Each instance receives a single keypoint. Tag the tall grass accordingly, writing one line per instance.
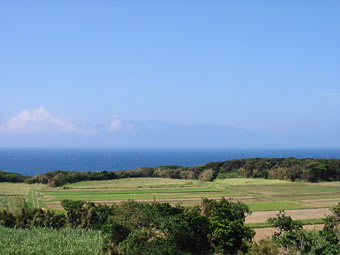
(7, 188)
(44, 241)
(12, 203)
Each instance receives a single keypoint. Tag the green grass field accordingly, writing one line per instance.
(143, 194)
(275, 205)
(43, 241)
(132, 183)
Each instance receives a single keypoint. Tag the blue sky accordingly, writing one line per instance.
(134, 73)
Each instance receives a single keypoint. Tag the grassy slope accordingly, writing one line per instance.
(49, 241)
(131, 183)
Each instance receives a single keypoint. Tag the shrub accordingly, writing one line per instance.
(265, 247)
(229, 233)
(284, 223)
(292, 239)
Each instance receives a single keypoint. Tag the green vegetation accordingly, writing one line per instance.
(100, 195)
(250, 182)
(133, 228)
(131, 183)
(259, 194)
(292, 239)
(142, 228)
(12, 203)
(311, 170)
(12, 177)
(18, 189)
(47, 241)
(202, 226)
(276, 205)
(14, 196)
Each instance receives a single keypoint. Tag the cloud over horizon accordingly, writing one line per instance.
(38, 121)
(116, 124)
(38, 127)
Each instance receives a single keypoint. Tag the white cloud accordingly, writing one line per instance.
(116, 124)
(38, 121)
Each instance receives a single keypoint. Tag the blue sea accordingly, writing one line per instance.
(37, 161)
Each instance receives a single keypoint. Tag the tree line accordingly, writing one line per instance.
(12, 177)
(311, 170)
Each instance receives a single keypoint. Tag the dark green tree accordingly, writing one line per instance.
(229, 233)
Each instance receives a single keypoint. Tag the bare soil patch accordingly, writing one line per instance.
(322, 202)
(265, 233)
(300, 214)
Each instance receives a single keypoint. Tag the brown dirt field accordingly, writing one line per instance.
(300, 214)
(321, 203)
(264, 233)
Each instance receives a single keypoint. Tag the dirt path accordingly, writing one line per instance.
(264, 233)
(170, 199)
(295, 214)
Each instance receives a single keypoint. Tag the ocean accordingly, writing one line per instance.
(36, 161)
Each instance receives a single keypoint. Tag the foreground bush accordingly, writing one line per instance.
(141, 228)
(265, 247)
(292, 239)
(36, 217)
(134, 228)
(229, 233)
(215, 228)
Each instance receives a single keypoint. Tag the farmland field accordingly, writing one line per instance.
(259, 194)
(305, 201)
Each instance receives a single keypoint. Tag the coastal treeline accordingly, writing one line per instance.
(12, 177)
(310, 170)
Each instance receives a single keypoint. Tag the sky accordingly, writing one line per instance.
(170, 74)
